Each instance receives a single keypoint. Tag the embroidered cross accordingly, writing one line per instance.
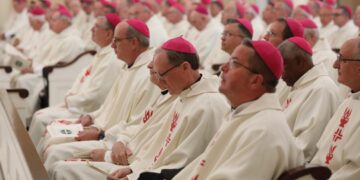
(147, 116)
(329, 156)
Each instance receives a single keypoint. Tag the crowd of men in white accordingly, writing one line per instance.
(200, 89)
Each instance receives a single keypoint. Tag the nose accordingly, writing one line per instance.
(336, 64)
(224, 67)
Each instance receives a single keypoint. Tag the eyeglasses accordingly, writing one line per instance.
(341, 59)
(116, 40)
(228, 34)
(233, 63)
(270, 33)
(161, 75)
(337, 14)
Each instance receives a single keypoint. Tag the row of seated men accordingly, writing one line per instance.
(163, 120)
(42, 44)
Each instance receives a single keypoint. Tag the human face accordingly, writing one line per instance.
(326, 16)
(19, 6)
(231, 37)
(121, 43)
(172, 15)
(274, 33)
(153, 76)
(172, 76)
(137, 11)
(339, 18)
(56, 24)
(99, 31)
(268, 14)
(357, 17)
(236, 74)
(279, 9)
(348, 67)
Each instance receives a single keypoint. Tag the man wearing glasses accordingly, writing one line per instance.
(313, 98)
(193, 120)
(338, 147)
(255, 131)
(347, 28)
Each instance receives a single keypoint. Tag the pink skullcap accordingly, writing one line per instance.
(37, 11)
(255, 7)
(179, 7)
(348, 10)
(330, 2)
(113, 19)
(200, 8)
(171, 2)
(240, 8)
(246, 23)
(64, 11)
(148, 5)
(319, 3)
(305, 8)
(270, 55)
(301, 43)
(139, 26)
(108, 3)
(296, 28)
(289, 3)
(219, 2)
(205, 2)
(308, 23)
(179, 44)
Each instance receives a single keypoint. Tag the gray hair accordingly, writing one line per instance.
(291, 51)
(133, 33)
(311, 32)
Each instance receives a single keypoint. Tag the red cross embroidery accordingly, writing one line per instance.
(158, 155)
(202, 162)
(147, 116)
(345, 118)
(174, 121)
(195, 177)
(87, 73)
(329, 156)
(337, 134)
(287, 103)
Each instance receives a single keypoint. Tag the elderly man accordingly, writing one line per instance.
(347, 29)
(216, 7)
(17, 22)
(234, 32)
(327, 27)
(241, 146)
(209, 32)
(322, 52)
(92, 84)
(129, 96)
(176, 64)
(311, 90)
(143, 11)
(338, 147)
(64, 46)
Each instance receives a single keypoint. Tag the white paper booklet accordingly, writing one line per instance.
(18, 60)
(61, 133)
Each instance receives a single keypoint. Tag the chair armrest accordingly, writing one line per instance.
(316, 171)
(48, 69)
(23, 93)
(8, 69)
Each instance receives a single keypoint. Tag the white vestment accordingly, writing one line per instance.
(194, 119)
(86, 95)
(178, 29)
(158, 34)
(208, 39)
(328, 30)
(63, 47)
(259, 27)
(322, 53)
(309, 106)
(16, 23)
(338, 147)
(254, 142)
(339, 37)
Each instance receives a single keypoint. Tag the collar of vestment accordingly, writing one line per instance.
(321, 45)
(207, 84)
(143, 58)
(265, 102)
(347, 26)
(311, 75)
(356, 95)
(105, 50)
